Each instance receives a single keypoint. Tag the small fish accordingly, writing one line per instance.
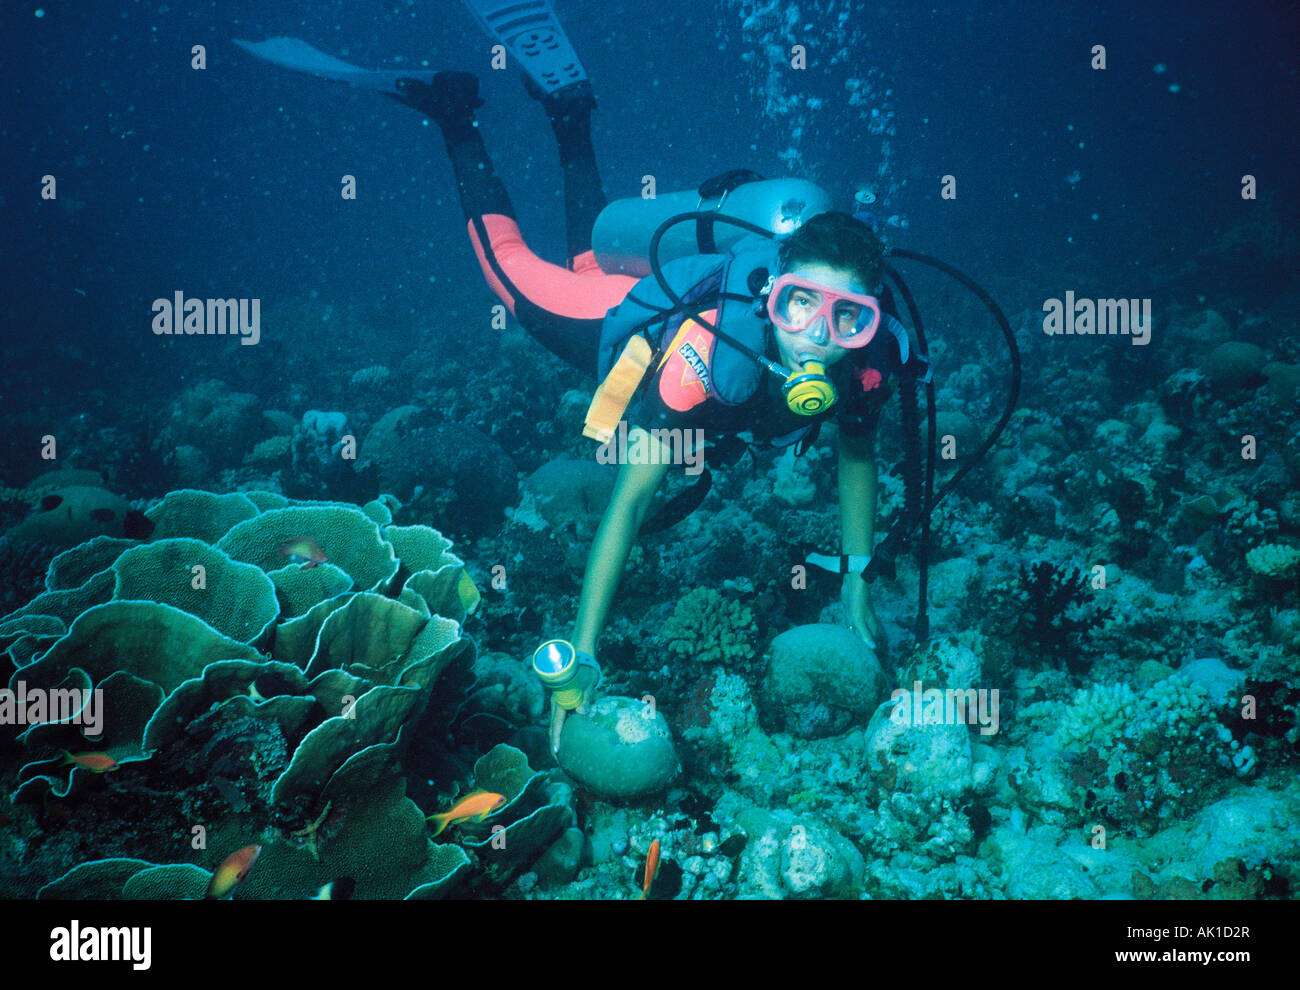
(304, 551)
(336, 890)
(651, 869)
(95, 762)
(468, 592)
(864, 193)
(473, 807)
(232, 870)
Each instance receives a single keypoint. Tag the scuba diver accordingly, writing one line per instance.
(821, 286)
(742, 332)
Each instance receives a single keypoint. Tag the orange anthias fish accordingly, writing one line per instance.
(232, 870)
(95, 762)
(305, 551)
(651, 869)
(473, 807)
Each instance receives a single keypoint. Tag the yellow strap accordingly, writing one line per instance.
(616, 391)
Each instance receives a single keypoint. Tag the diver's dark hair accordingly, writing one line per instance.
(838, 240)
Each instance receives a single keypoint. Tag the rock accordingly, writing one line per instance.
(1284, 381)
(620, 749)
(68, 516)
(569, 495)
(464, 476)
(821, 680)
(1204, 331)
(189, 465)
(504, 688)
(796, 856)
(560, 863)
(1037, 869)
(922, 758)
(819, 862)
(1235, 364)
(328, 426)
(966, 433)
(223, 424)
(1211, 673)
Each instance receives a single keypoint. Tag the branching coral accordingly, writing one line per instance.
(710, 629)
(1138, 761)
(1274, 560)
(1048, 612)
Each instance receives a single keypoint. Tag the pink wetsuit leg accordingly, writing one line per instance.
(586, 293)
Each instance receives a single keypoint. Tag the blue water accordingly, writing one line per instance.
(225, 182)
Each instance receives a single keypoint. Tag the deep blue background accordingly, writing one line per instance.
(226, 181)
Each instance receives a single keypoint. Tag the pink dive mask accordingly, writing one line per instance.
(796, 303)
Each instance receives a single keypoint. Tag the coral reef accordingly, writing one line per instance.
(1136, 761)
(221, 424)
(451, 472)
(301, 752)
(1047, 613)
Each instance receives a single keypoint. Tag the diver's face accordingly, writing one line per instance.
(814, 343)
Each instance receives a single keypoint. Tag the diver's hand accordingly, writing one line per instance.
(862, 617)
(557, 725)
(586, 677)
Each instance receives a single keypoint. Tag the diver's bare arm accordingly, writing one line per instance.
(627, 509)
(857, 490)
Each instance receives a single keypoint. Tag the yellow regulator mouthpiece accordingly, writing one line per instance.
(808, 391)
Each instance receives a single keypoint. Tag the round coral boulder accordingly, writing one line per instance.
(821, 680)
(620, 749)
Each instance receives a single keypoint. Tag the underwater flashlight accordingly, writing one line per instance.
(809, 391)
(556, 662)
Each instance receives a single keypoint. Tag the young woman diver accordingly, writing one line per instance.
(821, 287)
(770, 336)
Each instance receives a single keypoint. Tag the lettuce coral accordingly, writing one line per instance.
(298, 751)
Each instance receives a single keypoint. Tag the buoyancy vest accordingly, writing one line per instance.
(728, 283)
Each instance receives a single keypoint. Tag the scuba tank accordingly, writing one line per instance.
(623, 231)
